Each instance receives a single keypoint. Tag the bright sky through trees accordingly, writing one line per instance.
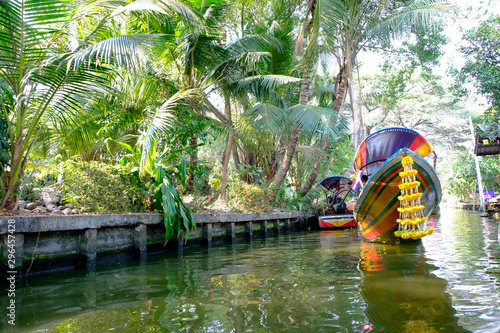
(469, 14)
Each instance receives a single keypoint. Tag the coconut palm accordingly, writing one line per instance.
(311, 25)
(48, 74)
(345, 27)
(266, 125)
(214, 65)
(267, 87)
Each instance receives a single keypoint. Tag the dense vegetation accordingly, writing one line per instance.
(175, 105)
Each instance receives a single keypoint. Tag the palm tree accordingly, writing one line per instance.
(34, 81)
(46, 74)
(325, 95)
(311, 28)
(229, 70)
(265, 125)
(347, 26)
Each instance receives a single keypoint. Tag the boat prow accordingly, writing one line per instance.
(337, 221)
(378, 209)
(337, 214)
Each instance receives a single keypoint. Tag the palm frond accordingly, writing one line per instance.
(420, 12)
(27, 25)
(316, 120)
(265, 118)
(185, 12)
(130, 51)
(200, 51)
(161, 120)
(262, 42)
(321, 90)
(266, 81)
(170, 8)
(69, 99)
(310, 151)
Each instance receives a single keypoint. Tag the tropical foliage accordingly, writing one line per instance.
(155, 101)
(483, 58)
(479, 73)
(100, 187)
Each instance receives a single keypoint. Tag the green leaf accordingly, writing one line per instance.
(176, 216)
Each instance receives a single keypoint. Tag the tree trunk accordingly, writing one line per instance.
(294, 136)
(225, 163)
(227, 151)
(339, 98)
(10, 197)
(357, 114)
(342, 85)
(358, 128)
(303, 98)
(272, 163)
(193, 158)
(311, 180)
(236, 156)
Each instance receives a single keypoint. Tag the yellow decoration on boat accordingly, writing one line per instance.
(410, 197)
(408, 173)
(411, 216)
(407, 160)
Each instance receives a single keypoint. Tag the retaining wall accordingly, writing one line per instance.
(477, 206)
(35, 244)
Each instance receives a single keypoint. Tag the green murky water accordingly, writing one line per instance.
(318, 281)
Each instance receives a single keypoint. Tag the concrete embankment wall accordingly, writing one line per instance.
(35, 244)
(475, 206)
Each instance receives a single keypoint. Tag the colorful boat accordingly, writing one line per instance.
(337, 189)
(402, 189)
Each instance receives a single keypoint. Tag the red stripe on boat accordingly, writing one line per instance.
(417, 143)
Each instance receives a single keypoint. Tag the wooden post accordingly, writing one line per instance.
(207, 231)
(478, 171)
(180, 242)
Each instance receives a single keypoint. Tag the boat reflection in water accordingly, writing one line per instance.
(401, 292)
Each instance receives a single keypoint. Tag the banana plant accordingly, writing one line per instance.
(165, 168)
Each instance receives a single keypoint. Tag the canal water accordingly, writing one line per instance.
(311, 281)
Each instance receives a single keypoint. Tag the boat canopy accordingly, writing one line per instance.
(381, 145)
(339, 185)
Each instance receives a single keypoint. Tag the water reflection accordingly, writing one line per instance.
(328, 281)
(467, 252)
(402, 293)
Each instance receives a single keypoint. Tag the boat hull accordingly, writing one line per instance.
(376, 209)
(337, 221)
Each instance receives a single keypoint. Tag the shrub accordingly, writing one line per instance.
(250, 198)
(100, 187)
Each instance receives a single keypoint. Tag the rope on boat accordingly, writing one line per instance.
(411, 212)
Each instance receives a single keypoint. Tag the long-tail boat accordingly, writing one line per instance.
(402, 189)
(336, 188)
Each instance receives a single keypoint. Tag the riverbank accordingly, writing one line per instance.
(44, 243)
